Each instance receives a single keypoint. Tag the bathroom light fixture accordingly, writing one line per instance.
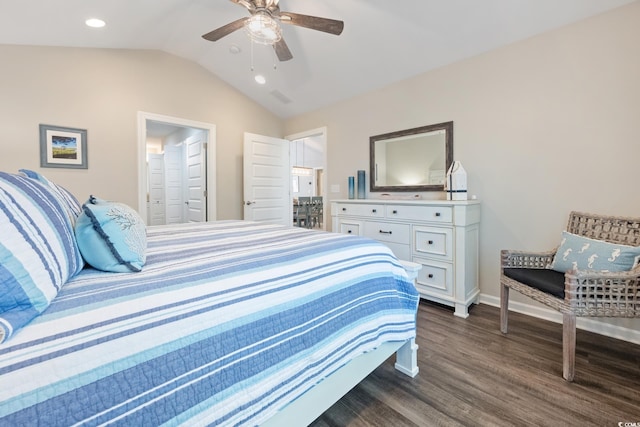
(260, 79)
(95, 23)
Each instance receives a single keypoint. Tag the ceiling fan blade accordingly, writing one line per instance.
(326, 25)
(248, 4)
(282, 50)
(225, 30)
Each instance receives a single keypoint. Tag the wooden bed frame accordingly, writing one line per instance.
(304, 410)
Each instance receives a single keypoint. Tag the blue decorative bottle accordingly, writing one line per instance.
(361, 185)
(352, 187)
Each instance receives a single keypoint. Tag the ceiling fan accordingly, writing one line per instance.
(263, 26)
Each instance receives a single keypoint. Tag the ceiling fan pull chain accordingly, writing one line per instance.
(251, 55)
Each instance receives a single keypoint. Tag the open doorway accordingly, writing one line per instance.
(308, 160)
(176, 174)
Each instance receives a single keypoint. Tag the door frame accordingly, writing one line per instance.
(210, 128)
(322, 133)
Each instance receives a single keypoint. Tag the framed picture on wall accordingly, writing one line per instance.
(62, 147)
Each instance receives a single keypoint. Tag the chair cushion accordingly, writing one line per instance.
(581, 253)
(545, 280)
(111, 236)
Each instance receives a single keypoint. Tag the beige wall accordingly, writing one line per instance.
(543, 126)
(102, 90)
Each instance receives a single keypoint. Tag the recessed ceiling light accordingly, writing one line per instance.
(95, 23)
(260, 79)
(234, 49)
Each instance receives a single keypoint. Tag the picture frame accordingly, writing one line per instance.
(63, 147)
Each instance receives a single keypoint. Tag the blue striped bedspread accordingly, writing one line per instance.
(227, 323)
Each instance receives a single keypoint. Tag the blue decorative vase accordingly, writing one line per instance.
(361, 184)
(352, 187)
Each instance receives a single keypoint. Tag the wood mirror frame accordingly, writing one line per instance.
(428, 136)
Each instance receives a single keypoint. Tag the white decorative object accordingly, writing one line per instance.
(440, 235)
(456, 182)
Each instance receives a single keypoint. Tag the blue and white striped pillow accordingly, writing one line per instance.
(38, 250)
(68, 200)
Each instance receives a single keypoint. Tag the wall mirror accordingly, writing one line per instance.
(411, 160)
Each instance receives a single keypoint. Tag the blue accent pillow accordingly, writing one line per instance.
(68, 200)
(111, 236)
(38, 250)
(581, 253)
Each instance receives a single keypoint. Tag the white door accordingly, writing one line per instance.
(156, 214)
(196, 183)
(267, 180)
(173, 184)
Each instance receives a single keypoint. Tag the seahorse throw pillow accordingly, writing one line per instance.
(111, 236)
(581, 253)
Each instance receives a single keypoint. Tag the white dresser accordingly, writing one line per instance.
(442, 236)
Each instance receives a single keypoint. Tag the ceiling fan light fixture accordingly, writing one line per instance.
(263, 29)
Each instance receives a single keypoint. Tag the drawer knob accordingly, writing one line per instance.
(344, 209)
(430, 276)
(430, 242)
(395, 212)
(437, 213)
(384, 232)
(373, 210)
(348, 231)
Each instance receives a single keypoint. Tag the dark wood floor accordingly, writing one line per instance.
(472, 375)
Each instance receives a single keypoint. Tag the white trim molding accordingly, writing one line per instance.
(585, 323)
(142, 153)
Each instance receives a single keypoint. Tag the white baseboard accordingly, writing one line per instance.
(588, 324)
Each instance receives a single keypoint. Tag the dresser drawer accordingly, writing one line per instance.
(365, 210)
(388, 232)
(434, 242)
(435, 277)
(443, 214)
(350, 227)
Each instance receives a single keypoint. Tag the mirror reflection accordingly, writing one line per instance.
(411, 160)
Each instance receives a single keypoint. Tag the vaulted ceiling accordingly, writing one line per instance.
(383, 41)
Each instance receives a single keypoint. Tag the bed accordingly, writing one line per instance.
(227, 323)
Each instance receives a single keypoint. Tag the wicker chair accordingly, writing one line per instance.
(586, 293)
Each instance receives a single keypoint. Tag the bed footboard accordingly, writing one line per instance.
(314, 402)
